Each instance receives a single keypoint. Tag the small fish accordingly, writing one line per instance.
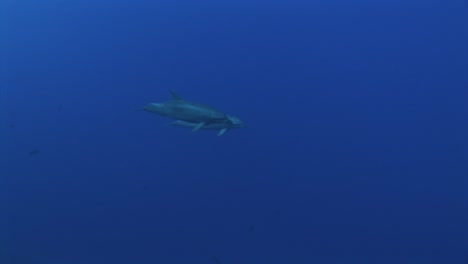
(34, 152)
(216, 260)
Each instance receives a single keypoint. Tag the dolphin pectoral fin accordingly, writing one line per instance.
(198, 126)
(222, 131)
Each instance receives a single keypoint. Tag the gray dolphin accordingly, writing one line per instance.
(235, 122)
(178, 108)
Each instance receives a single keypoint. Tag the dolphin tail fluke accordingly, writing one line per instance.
(198, 126)
(222, 132)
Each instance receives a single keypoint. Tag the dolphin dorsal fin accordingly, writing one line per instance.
(175, 96)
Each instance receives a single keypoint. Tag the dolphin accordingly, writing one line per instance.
(235, 122)
(178, 108)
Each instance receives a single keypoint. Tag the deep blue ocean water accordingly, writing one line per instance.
(356, 150)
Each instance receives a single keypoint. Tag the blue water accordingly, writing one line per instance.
(356, 150)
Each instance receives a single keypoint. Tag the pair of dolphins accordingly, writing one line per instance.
(194, 115)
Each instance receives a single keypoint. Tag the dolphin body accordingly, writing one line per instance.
(196, 114)
(222, 127)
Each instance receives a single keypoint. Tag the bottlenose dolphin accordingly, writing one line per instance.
(178, 108)
(235, 122)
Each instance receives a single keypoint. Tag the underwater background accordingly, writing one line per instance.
(356, 149)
